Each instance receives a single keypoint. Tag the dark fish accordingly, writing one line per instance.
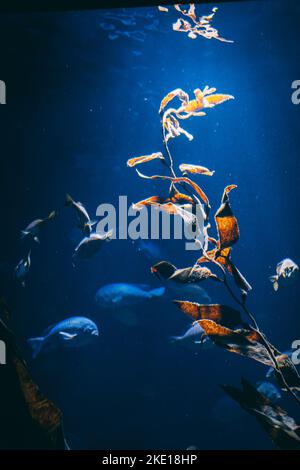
(32, 230)
(89, 246)
(22, 269)
(85, 223)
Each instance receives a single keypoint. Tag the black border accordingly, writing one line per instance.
(12, 6)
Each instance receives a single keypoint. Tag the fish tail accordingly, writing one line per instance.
(36, 345)
(157, 292)
(69, 200)
(274, 280)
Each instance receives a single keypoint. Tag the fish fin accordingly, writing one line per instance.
(109, 235)
(69, 200)
(51, 215)
(157, 292)
(36, 239)
(67, 336)
(36, 345)
(274, 280)
(24, 234)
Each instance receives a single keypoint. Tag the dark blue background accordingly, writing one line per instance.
(78, 106)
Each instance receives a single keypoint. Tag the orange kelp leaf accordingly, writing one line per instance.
(193, 275)
(178, 92)
(165, 9)
(150, 201)
(227, 224)
(180, 198)
(195, 169)
(145, 158)
(245, 342)
(163, 269)
(218, 98)
(182, 179)
(176, 198)
(281, 427)
(42, 410)
(220, 256)
(221, 314)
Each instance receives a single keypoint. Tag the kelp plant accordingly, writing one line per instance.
(235, 330)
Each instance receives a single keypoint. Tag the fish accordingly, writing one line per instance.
(125, 295)
(32, 230)
(22, 269)
(194, 331)
(89, 246)
(85, 223)
(286, 269)
(72, 332)
(269, 390)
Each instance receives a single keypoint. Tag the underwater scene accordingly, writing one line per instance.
(150, 184)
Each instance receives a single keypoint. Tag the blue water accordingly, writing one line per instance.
(80, 103)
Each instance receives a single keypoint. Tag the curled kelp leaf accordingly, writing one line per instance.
(193, 275)
(221, 257)
(206, 98)
(246, 342)
(182, 179)
(221, 314)
(37, 423)
(145, 158)
(177, 93)
(239, 279)
(227, 225)
(195, 169)
(173, 129)
(282, 428)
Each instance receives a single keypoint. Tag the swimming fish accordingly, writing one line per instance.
(193, 332)
(125, 295)
(85, 223)
(22, 268)
(32, 230)
(284, 270)
(269, 390)
(70, 333)
(89, 246)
